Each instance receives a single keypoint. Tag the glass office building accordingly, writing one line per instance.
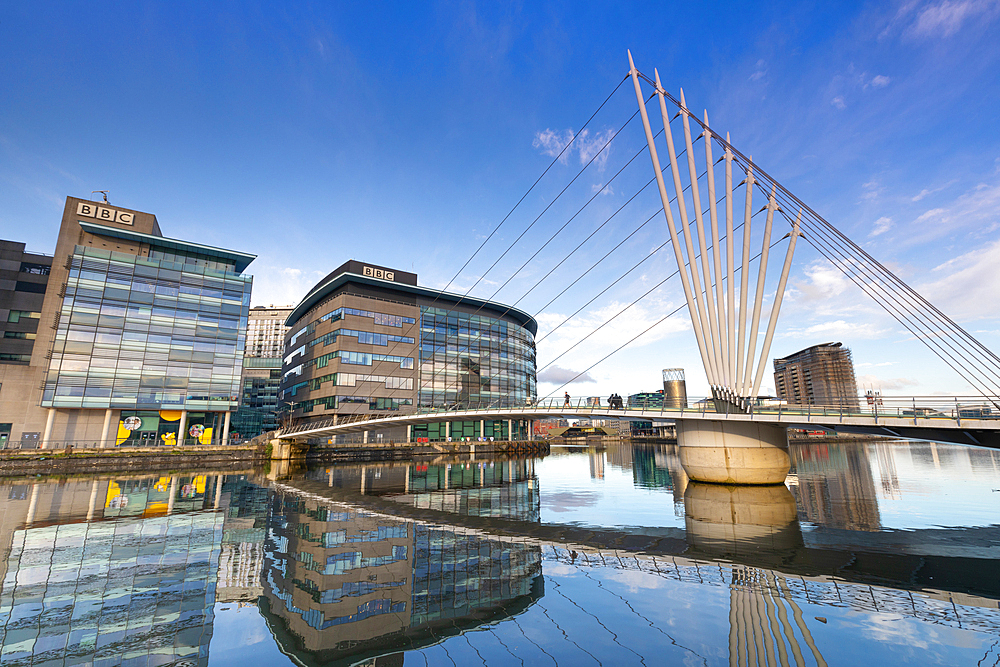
(139, 337)
(258, 411)
(370, 340)
(163, 331)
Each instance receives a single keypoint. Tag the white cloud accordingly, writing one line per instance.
(586, 145)
(599, 187)
(881, 226)
(977, 209)
(824, 283)
(968, 284)
(872, 190)
(839, 330)
(611, 336)
(282, 286)
(552, 143)
(838, 102)
(945, 18)
(556, 375)
(923, 193)
(885, 384)
(880, 81)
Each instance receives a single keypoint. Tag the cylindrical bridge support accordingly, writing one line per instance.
(733, 452)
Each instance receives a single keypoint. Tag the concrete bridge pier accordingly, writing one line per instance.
(733, 452)
(287, 450)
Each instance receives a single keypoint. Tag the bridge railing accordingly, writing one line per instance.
(913, 407)
(921, 409)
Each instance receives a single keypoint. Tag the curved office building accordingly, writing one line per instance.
(368, 339)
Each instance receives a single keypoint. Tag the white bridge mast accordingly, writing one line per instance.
(726, 353)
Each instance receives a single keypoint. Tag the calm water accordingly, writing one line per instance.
(871, 554)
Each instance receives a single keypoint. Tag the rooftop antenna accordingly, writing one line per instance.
(102, 192)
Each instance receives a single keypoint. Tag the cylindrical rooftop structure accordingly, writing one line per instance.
(674, 388)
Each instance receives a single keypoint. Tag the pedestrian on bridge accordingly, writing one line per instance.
(566, 400)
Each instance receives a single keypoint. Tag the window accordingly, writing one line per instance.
(19, 334)
(34, 288)
(18, 315)
(35, 269)
(14, 357)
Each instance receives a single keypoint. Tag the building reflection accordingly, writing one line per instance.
(653, 466)
(342, 582)
(835, 486)
(596, 458)
(110, 571)
(498, 489)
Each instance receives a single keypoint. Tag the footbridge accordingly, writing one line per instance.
(966, 420)
(723, 214)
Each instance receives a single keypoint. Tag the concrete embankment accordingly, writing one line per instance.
(127, 459)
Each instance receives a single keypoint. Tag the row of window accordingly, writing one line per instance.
(365, 337)
(16, 316)
(383, 319)
(34, 288)
(133, 332)
(351, 380)
(334, 402)
(35, 269)
(190, 259)
(357, 359)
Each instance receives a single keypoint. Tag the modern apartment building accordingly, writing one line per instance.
(368, 339)
(138, 338)
(266, 331)
(818, 375)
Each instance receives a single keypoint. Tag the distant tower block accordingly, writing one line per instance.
(674, 389)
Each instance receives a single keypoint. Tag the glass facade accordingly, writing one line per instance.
(137, 333)
(358, 346)
(258, 411)
(126, 592)
(342, 580)
(472, 360)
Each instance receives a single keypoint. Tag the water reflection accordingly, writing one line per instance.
(339, 581)
(747, 521)
(607, 555)
(835, 486)
(77, 588)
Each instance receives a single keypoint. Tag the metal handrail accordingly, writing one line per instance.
(915, 408)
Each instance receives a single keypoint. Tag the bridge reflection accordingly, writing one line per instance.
(746, 540)
(361, 563)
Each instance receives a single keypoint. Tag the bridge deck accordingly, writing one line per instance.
(895, 422)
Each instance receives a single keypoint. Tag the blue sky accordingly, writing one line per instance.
(402, 135)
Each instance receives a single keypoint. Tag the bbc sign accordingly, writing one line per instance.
(104, 213)
(379, 273)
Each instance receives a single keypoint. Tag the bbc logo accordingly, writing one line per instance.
(379, 273)
(104, 213)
